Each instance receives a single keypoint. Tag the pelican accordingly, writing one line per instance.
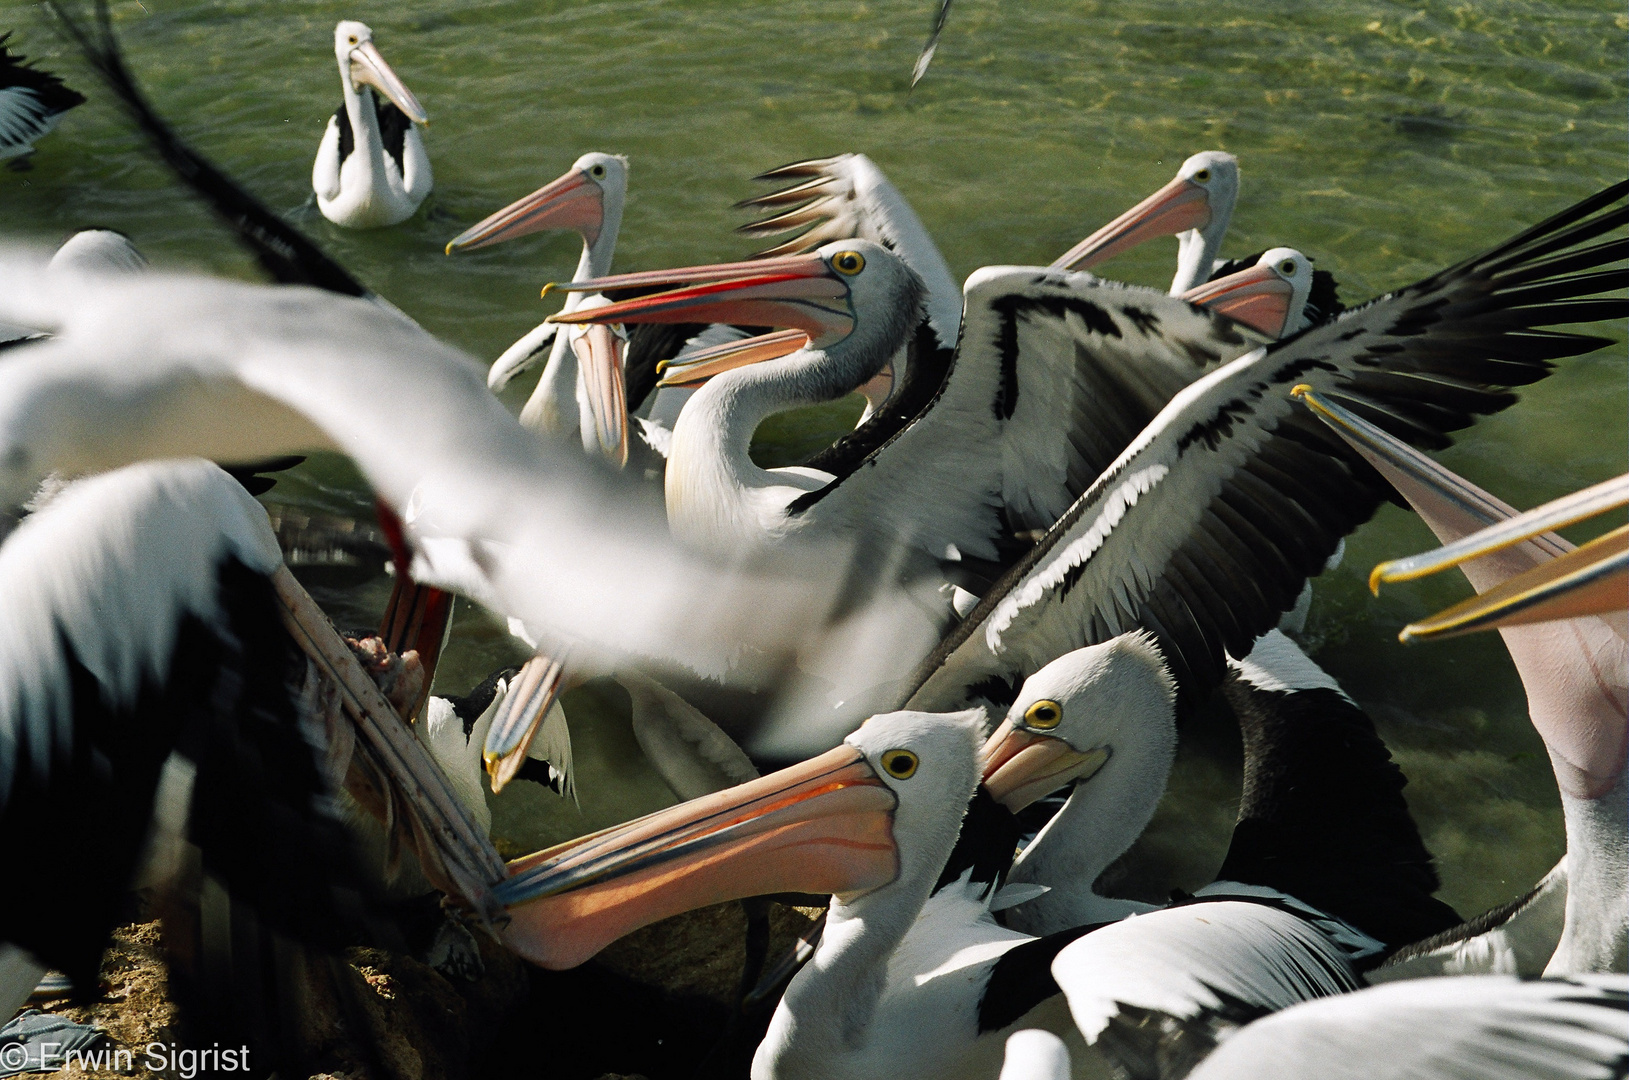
(1490, 1027)
(371, 168)
(153, 694)
(911, 976)
(1196, 206)
(569, 398)
(1576, 674)
(32, 103)
(1324, 842)
(1206, 527)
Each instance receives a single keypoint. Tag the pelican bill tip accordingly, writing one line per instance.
(1300, 390)
(550, 287)
(1377, 576)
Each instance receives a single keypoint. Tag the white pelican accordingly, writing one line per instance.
(1489, 1027)
(568, 399)
(371, 168)
(1205, 528)
(1196, 205)
(912, 976)
(1576, 674)
(152, 696)
(32, 102)
(1343, 843)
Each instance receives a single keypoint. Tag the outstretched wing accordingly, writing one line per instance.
(1055, 373)
(1205, 529)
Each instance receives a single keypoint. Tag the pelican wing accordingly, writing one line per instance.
(1491, 1027)
(1056, 372)
(848, 196)
(1205, 529)
(1176, 969)
(161, 366)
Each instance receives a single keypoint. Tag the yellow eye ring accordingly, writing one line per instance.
(900, 764)
(1202, 175)
(1287, 266)
(597, 171)
(848, 262)
(1044, 714)
(353, 39)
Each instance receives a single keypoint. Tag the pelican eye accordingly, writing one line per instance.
(900, 764)
(1043, 714)
(850, 263)
(1287, 266)
(1202, 175)
(353, 39)
(597, 172)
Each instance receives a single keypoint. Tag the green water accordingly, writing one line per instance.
(1383, 139)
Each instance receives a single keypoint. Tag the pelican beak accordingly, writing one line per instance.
(367, 66)
(1258, 297)
(798, 291)
(1177, 207)
(1021, 766)
(824, 826)
(701, 365)
(599, 358)
(574, 202)
(521, 714)
(1593, 580)
(1590, 580)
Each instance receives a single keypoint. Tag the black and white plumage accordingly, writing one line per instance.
(32, 102)
(371, 168)
(1205, 529)
(149, 696)
(1488, 1027)
(1325, 873)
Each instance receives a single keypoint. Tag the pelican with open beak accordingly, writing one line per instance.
(1591, 580)
(1269, 297)
(1196, 206)
(1548, 580)
(833, 824)
(371, 169)
(580, 391)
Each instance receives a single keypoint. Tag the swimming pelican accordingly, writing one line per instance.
(568, 399)
(371, 168)
(32, 102)
(1576, 675)
(1196, 206)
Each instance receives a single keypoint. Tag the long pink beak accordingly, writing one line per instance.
(1257, 296)
(574, 201)
(1177, 207)
(824, 826)
(797, 292)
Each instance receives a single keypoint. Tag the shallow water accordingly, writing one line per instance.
(1385, 140)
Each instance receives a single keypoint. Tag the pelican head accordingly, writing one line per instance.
(1270, 297)
(360, 63)
(851, 292)
(1070, 715)
(1200, 198)
(883, 807)
(587, 199)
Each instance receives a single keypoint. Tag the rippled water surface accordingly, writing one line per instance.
(1383, 139)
